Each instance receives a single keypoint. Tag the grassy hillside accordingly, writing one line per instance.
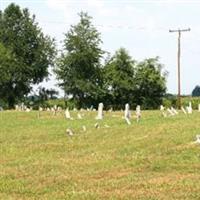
(154, 159)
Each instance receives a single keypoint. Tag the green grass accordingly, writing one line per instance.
(154, 159)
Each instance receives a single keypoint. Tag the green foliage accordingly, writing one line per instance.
(196, 91)
(26, 53)
(119, 78)
(150, 83)
(79, 66)
(141, 83)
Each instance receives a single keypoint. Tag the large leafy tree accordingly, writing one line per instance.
(79, 68)
(150, 82)
(119, 78)
(196, 91)
(26, 53)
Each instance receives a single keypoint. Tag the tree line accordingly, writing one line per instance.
(86, 73)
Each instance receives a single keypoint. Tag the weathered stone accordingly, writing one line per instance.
(100, 111)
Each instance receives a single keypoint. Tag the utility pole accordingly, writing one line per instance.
(179, 31)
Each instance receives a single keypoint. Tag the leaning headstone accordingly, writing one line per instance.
(69, 132)
(100, 111)
(197, 139)
(127, 114)
(138, 113)
(79, 116)
(183, 109)
(174, 111)
(84, 128)
(96, 125)
(170, 112)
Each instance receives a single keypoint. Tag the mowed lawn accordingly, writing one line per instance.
(153, 159)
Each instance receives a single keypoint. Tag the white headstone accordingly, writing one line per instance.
(138, 113)
(197, 139)
(189, 108)
(174, 111)
(67, 114)
(127, 114)
(170, 112)
(79, 116)
(69, 132)
(16, 107)
(183, 109)
(100, 111)
(162, 109)
(199, 107)
(84, 128)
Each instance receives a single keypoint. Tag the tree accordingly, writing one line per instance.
(196, 91)
(119, 78)
(27, 53)
(150, 83)
(79, 68)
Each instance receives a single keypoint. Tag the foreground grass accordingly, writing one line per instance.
(154, 159)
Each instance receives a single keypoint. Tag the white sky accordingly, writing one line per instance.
(142, 27)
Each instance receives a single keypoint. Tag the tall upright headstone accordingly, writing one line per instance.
(67, 114)
(138, 113)
(127, 114)
(189, 108)
(199, 107)
(100, 111)
(162, 109)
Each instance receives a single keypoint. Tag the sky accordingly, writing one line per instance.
(140, 26)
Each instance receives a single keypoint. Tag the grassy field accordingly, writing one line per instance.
(154, 159)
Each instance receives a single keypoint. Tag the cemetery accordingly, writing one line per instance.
(92, 103)
(102, 155)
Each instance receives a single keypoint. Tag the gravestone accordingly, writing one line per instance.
(67, 114)
(127, 114)
(199, 107)
(183, 109)
(69, 132)
(79, 116)
(170, 112)
(96, 125)
(174, 111)
(162, 109)
(138, 113)
(197, 139)
(189, 108)
(84, 128)
(100, 111)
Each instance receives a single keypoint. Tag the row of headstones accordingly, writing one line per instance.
(172, 111)
(100, 115)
